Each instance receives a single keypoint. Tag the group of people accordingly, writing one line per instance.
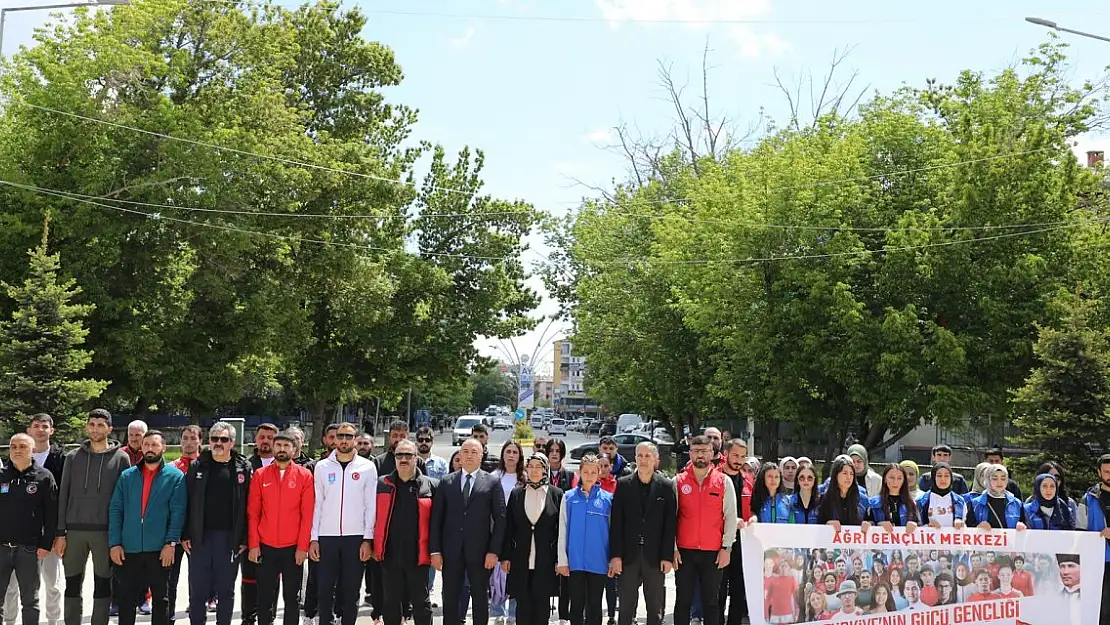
(513, 535)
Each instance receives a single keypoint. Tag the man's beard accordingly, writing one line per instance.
(423, 449)
(734, 466)
(701, 463)
(365, 453)
(152, 459)
(282, 456)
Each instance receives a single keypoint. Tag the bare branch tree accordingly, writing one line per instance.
(829, 96)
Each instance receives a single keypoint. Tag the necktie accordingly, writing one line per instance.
(466, 489)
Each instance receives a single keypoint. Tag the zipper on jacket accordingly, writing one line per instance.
(342, 494)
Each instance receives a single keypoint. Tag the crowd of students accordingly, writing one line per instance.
(518, 536)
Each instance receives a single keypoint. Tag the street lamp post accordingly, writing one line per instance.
(49, 7)
(1053, 25)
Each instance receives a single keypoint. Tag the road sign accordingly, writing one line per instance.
(520, 414)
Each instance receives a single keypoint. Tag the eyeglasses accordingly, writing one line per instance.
(219, 439)
(404, 455)
(423, 440)
(345, 437)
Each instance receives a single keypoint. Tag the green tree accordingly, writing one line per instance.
(40, 346)
(492, 388)
(1062, 408)
(895, 294)
(320, 267)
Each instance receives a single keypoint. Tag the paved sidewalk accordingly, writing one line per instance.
(364, 611)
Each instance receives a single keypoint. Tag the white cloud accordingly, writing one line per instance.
(752, 45)
(700, 14)
(601, 135)
(463, 40)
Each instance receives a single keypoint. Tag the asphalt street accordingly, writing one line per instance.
(443, 448)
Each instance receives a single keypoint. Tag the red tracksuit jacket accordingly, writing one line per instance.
(279, 510)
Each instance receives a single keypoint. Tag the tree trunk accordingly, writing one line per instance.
(319, 411)
(832, 448)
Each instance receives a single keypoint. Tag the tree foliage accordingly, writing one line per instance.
(1062, 408)
(856, 276)
(492, 388)
(41, 355)
(301, 254)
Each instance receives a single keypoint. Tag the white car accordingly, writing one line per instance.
(463, 426)
(557, 427)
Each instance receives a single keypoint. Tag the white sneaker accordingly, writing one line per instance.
(308, 620)
(563, 621)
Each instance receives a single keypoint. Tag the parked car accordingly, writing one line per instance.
(463, 426)
(502, 424)
(593, 427)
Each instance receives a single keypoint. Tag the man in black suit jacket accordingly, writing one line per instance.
(468, 526)
(642, 535)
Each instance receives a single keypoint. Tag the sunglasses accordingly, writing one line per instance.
(345, 437)
(423, 440)
(219, 439)
(404, 455)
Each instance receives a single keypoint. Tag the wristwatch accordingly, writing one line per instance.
(172, 544)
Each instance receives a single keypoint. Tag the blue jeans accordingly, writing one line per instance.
(503, 609)
(213, 567)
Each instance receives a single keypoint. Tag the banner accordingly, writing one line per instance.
(813, 574)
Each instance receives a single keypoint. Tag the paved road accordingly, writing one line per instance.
(442, 447)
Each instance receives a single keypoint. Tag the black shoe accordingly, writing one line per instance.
(612, 621)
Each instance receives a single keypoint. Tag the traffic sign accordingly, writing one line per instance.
(520, 414)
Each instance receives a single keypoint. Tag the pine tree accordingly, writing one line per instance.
(1063, 406)
(40, 355)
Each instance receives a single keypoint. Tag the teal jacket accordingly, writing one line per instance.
(165, 510)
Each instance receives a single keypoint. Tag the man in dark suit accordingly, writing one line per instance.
(642, 534)
(468, 525)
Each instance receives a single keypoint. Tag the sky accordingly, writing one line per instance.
(539, 85)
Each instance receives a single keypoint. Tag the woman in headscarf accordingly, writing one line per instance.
(996, 507)
(941, 507)
(1057, 471)
(529, 552)
(1046, 510)
(978, 483)
(788, 467)
(913, 473)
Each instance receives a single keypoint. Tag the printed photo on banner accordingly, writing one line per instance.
(930, 577)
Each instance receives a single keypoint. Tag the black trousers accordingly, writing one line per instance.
(638, 573)
(374, 589)
(454, 573)
(532, 606)
(339, 563)
(585, 597)
(278, 565)
(172, 577)
(699, 568)
(564, 598)
(23, 562)
(732, 591)
(312, 594)
(248, 591)
(139, 572)
(406, 584)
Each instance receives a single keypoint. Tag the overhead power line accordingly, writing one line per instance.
(616, 261)
(737, 224)
(692, 219)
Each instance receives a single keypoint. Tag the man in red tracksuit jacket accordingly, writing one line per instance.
(279, 521)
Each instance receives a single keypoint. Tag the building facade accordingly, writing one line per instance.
(568, 383)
